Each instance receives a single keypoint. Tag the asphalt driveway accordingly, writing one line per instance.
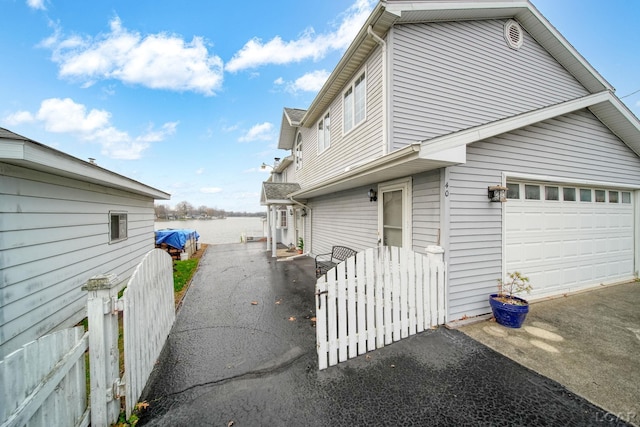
(242, 353)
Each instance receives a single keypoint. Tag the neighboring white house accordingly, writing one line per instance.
(62, 221)
(433, 103)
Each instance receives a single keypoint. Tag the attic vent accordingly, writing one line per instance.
(513, 34)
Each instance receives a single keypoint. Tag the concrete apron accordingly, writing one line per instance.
(589, 342)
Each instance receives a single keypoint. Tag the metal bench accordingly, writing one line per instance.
(325, 262)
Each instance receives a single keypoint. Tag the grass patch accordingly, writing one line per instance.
(183, 272)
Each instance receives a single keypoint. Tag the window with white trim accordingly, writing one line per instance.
(298, 153)
(324, 133)
(354, 104)
(281, 218)
(117, 226)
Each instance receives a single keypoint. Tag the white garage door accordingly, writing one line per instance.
(568, 237)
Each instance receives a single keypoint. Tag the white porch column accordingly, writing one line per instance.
(268, 227)
(274, 244)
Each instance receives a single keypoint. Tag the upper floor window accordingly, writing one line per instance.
(354, 105)
(117, 226)
(298, 153)
(324, 135)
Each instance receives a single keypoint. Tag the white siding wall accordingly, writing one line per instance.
(347, 218)
(454, 75)
(363, 143)
(54, 235)
(576, 146)
(426, 210)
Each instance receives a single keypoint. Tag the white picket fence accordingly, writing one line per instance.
(147, 321)
(44, 382)
(378, 297)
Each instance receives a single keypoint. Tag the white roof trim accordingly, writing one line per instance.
(404, 162)
(433, 146)
(387, 14)
(37, 156)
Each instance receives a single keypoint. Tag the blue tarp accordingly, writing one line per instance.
(175, 238)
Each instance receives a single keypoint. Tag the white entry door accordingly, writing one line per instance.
(394, 213)
(567, 237)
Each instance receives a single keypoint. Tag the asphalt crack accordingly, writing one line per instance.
(269, 368)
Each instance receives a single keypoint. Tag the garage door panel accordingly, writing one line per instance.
(567, 245)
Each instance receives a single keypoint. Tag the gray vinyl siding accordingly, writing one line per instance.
(54, 235)
(454, 75)
(426, 210)
(347, 219)
(576, 146)
(364, 142)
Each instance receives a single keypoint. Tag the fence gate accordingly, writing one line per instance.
(149, 313)
(379, 296)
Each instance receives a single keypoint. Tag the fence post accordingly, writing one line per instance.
(435, 255)
(103, 348)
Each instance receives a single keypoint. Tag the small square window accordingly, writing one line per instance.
(626, 197)
(117, 226)
(551, 193)
(601, 196)
(569, 194)
(513, 191)
(585, 195)
(532, 192)
(613, 197)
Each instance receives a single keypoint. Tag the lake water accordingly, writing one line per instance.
(217, 231)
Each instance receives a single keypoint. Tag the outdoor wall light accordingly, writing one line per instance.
(497, 193)
(263, 166)
(373, 196)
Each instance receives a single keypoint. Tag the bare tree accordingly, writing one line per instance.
(184, 209)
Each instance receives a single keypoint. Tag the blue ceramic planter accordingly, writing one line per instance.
(509, 315)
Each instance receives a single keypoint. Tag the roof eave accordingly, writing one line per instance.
(403, 162)
(604, 105)
(385, 15)
(37, 156)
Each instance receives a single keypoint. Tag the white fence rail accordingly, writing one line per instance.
(44, 382)
(377, 297)
(147, 320)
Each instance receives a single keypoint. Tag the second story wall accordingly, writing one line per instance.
(360, 144)
(451, 76)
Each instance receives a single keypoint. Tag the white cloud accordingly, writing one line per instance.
(309, 45)
(36, 4)
(66, 116)
(157, 61)
(199, 171)
(310, 82)
(210, 190)
(259, 132)
(19, 117)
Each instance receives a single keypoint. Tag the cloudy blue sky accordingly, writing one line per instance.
(187, 96)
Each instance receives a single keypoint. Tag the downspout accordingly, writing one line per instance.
(385, 89)
(310, 223)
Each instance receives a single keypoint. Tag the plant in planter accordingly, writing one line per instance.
(508, 309)
(300, 245)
